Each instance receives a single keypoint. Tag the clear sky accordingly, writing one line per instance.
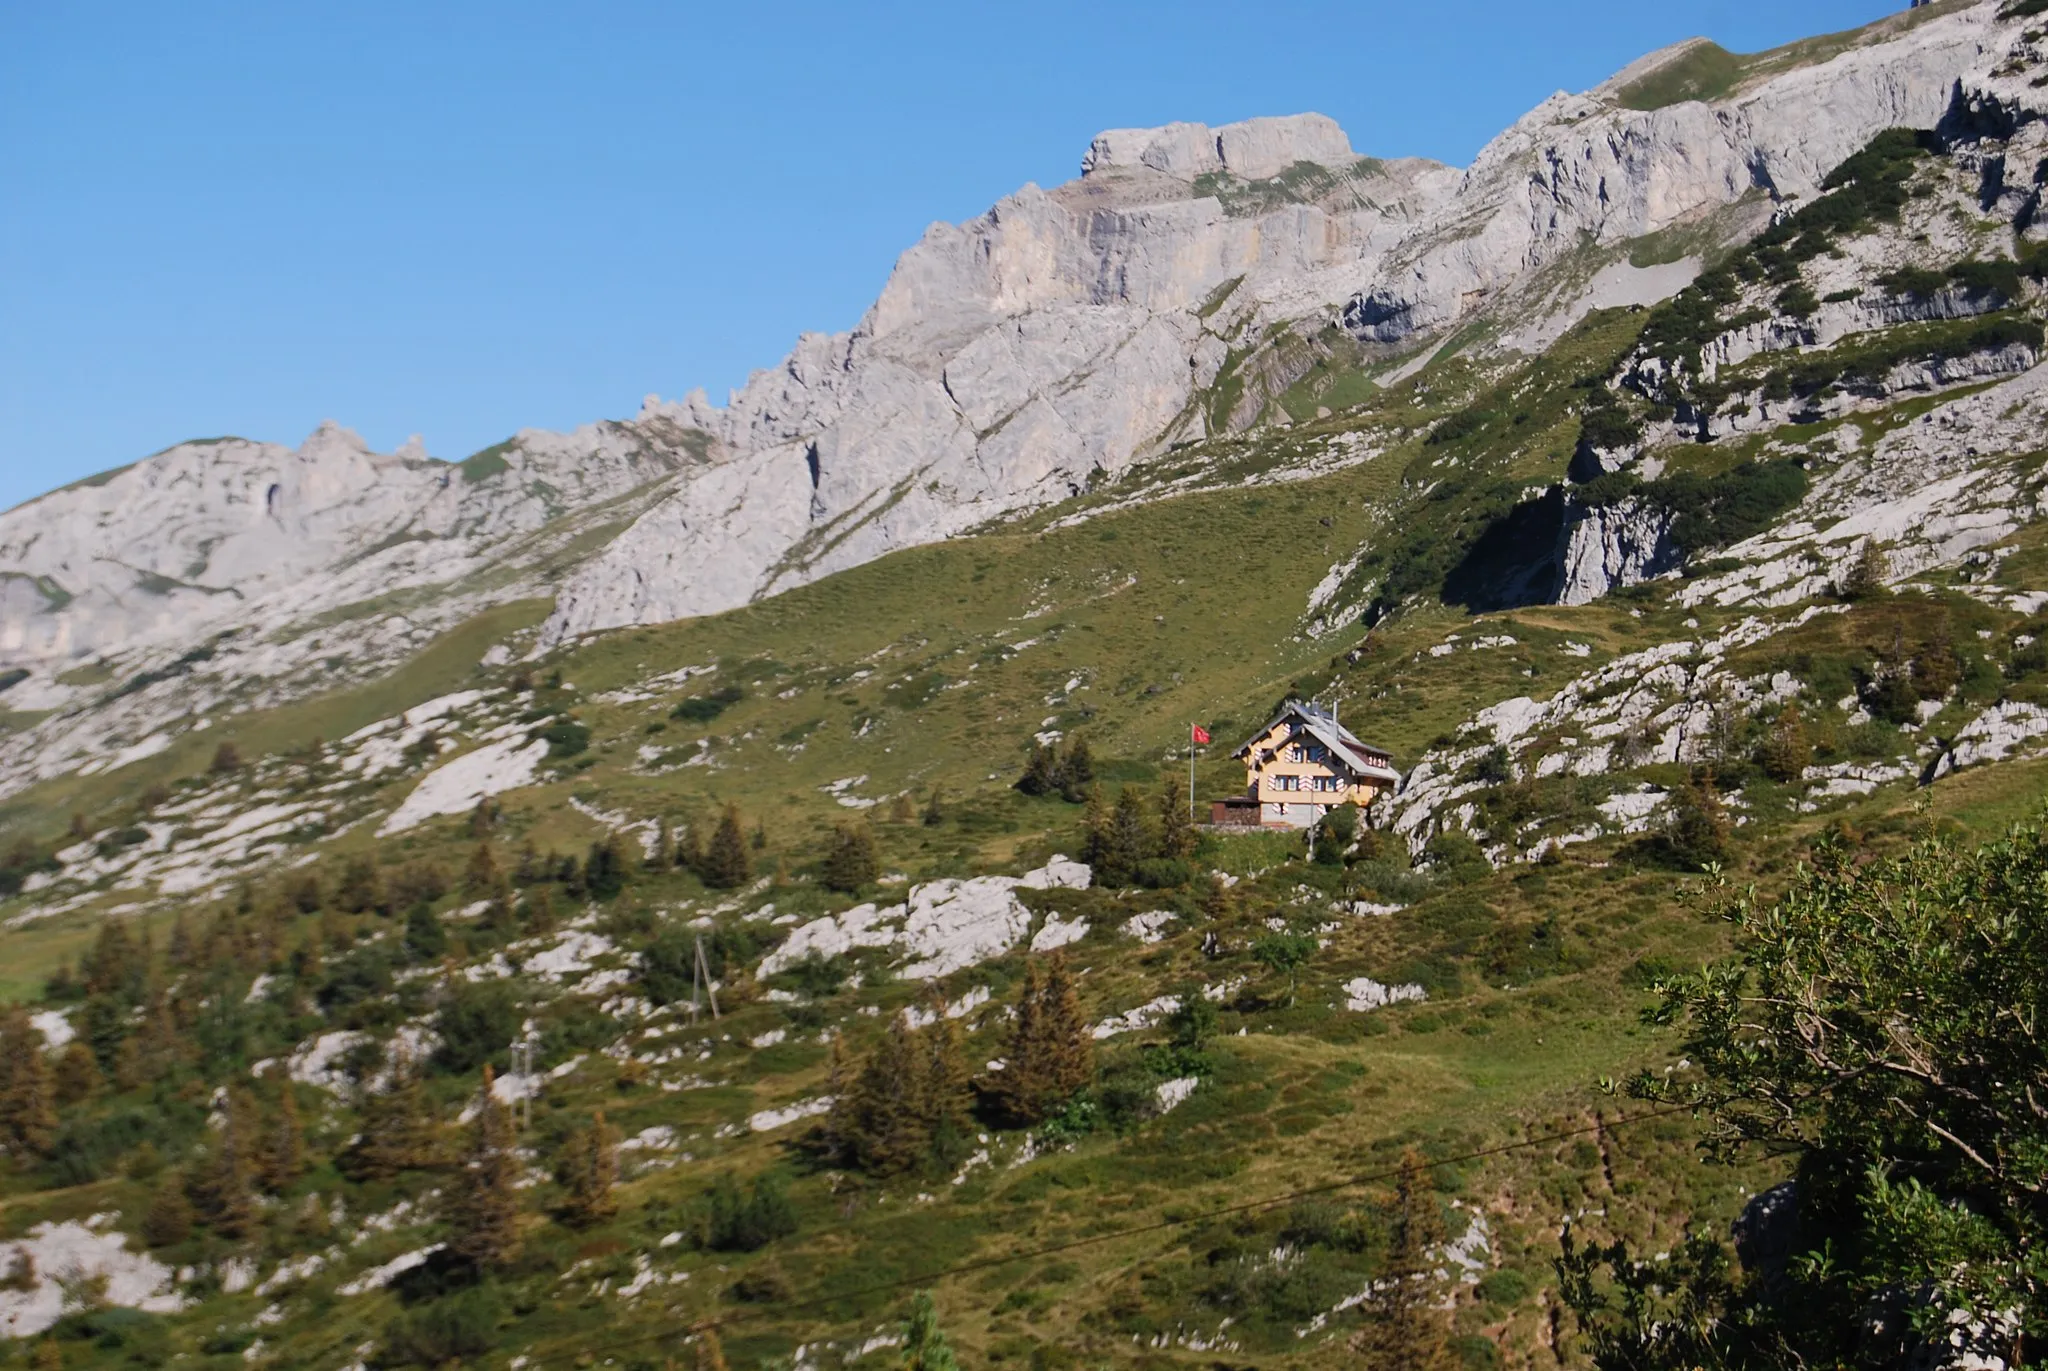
(460, 219)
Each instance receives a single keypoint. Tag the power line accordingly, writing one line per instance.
(785, 1308)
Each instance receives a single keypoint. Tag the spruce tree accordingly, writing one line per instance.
(884, 1116)
(852, 866)
(225, 1197)
(1176, 825)
(168, 1220)
(1405, 1330)
(425, 938)
(727, 863)
(607, 868)
(935, 809)
(924, 1345)
(362, 887)
(182, 952)
(1077, 770)
(28, 1116)
(1050, 1054)
(481, 1203)
(1095, 835)
(1786, 752)
(78, 1074)
(1697, 831)
(1130, 836)
(1041, 774)
(481, 876)
(588, 1170)
(710, 1353)
(398, 1132)
(540, 910)
(943, 1088)
(283, 1159)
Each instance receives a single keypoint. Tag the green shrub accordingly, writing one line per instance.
(476, 1025)
(455, 1329)
(565, 737)
(702, 709)
(736, 1222)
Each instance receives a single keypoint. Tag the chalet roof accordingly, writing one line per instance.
(1322, 725)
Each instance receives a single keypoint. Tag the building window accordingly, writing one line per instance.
(1294, 753)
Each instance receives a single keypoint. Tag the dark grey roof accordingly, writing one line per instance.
(1322, 725)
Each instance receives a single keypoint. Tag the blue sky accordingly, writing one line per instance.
(460, 219)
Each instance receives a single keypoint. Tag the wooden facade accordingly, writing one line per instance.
(1301, 766)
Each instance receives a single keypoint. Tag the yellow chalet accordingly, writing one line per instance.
(1303, 765)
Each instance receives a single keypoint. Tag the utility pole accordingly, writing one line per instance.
(700, 975)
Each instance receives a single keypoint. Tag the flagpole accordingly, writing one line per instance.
(1191, 773)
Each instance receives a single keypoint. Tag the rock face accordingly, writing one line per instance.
(1009, 362)
(1603, 547)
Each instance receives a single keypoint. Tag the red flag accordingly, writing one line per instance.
(1201, 735)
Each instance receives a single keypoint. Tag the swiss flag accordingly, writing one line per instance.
(1200, 734)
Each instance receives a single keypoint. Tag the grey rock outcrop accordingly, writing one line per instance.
(1601, 548)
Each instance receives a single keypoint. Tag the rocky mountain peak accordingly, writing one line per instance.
(1252, 149)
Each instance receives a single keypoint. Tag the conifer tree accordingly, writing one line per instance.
(529, 869)
(852, 865)
(1077, 770)
(225, 1199)
(1698, 830)
(1050, 1054)
(500, 916)
(168, 1220)
(1786, 751)
(924, 1345)
(935, 809)
(1176, 826)
(1405, 1330)
(884, 1119)
(482, 875)
(182, 952)
(481, 1204)
(398, 1131)
(710, 1353)
(361, 889)
(588, 1170)
(727, 863)
(664, 855)
(1130, 835)
(1095, 839)
(78, 1074)
(28, 1115)
(606, 868)
(943, 1088)
(1041, 774)
(425, 938)
(1217, 901)
(283, 1158)
(540, 910)
(690, 850)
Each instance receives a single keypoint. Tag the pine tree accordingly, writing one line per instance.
(361, 889)
(664, 855)
(924, 1345)
(852, 866)
(227, 760)
(500, 915)
(1050, 1054)
(283, 1159)
(1786, 752)
(1217, 902)
(1405, 1330)
(1041, 774)
(225, 1199)
(482, 875)
(182, 953)
(588, 1170)
(1077, 770)
(1698, 831)
(425, 938)
(606, 869)
(942, 1087)
(1130, 835)
(540, 910)
(1176, 826)
(78, 1074)
(481, 1203)
(1095, 839)
(28, 1117)
(1866, 577)
(690, 850)
(884, 1118)
(727, 864)
(398, 1131)
(529, 870)
(168, 1220)
(710, 1353)
(935, 809)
